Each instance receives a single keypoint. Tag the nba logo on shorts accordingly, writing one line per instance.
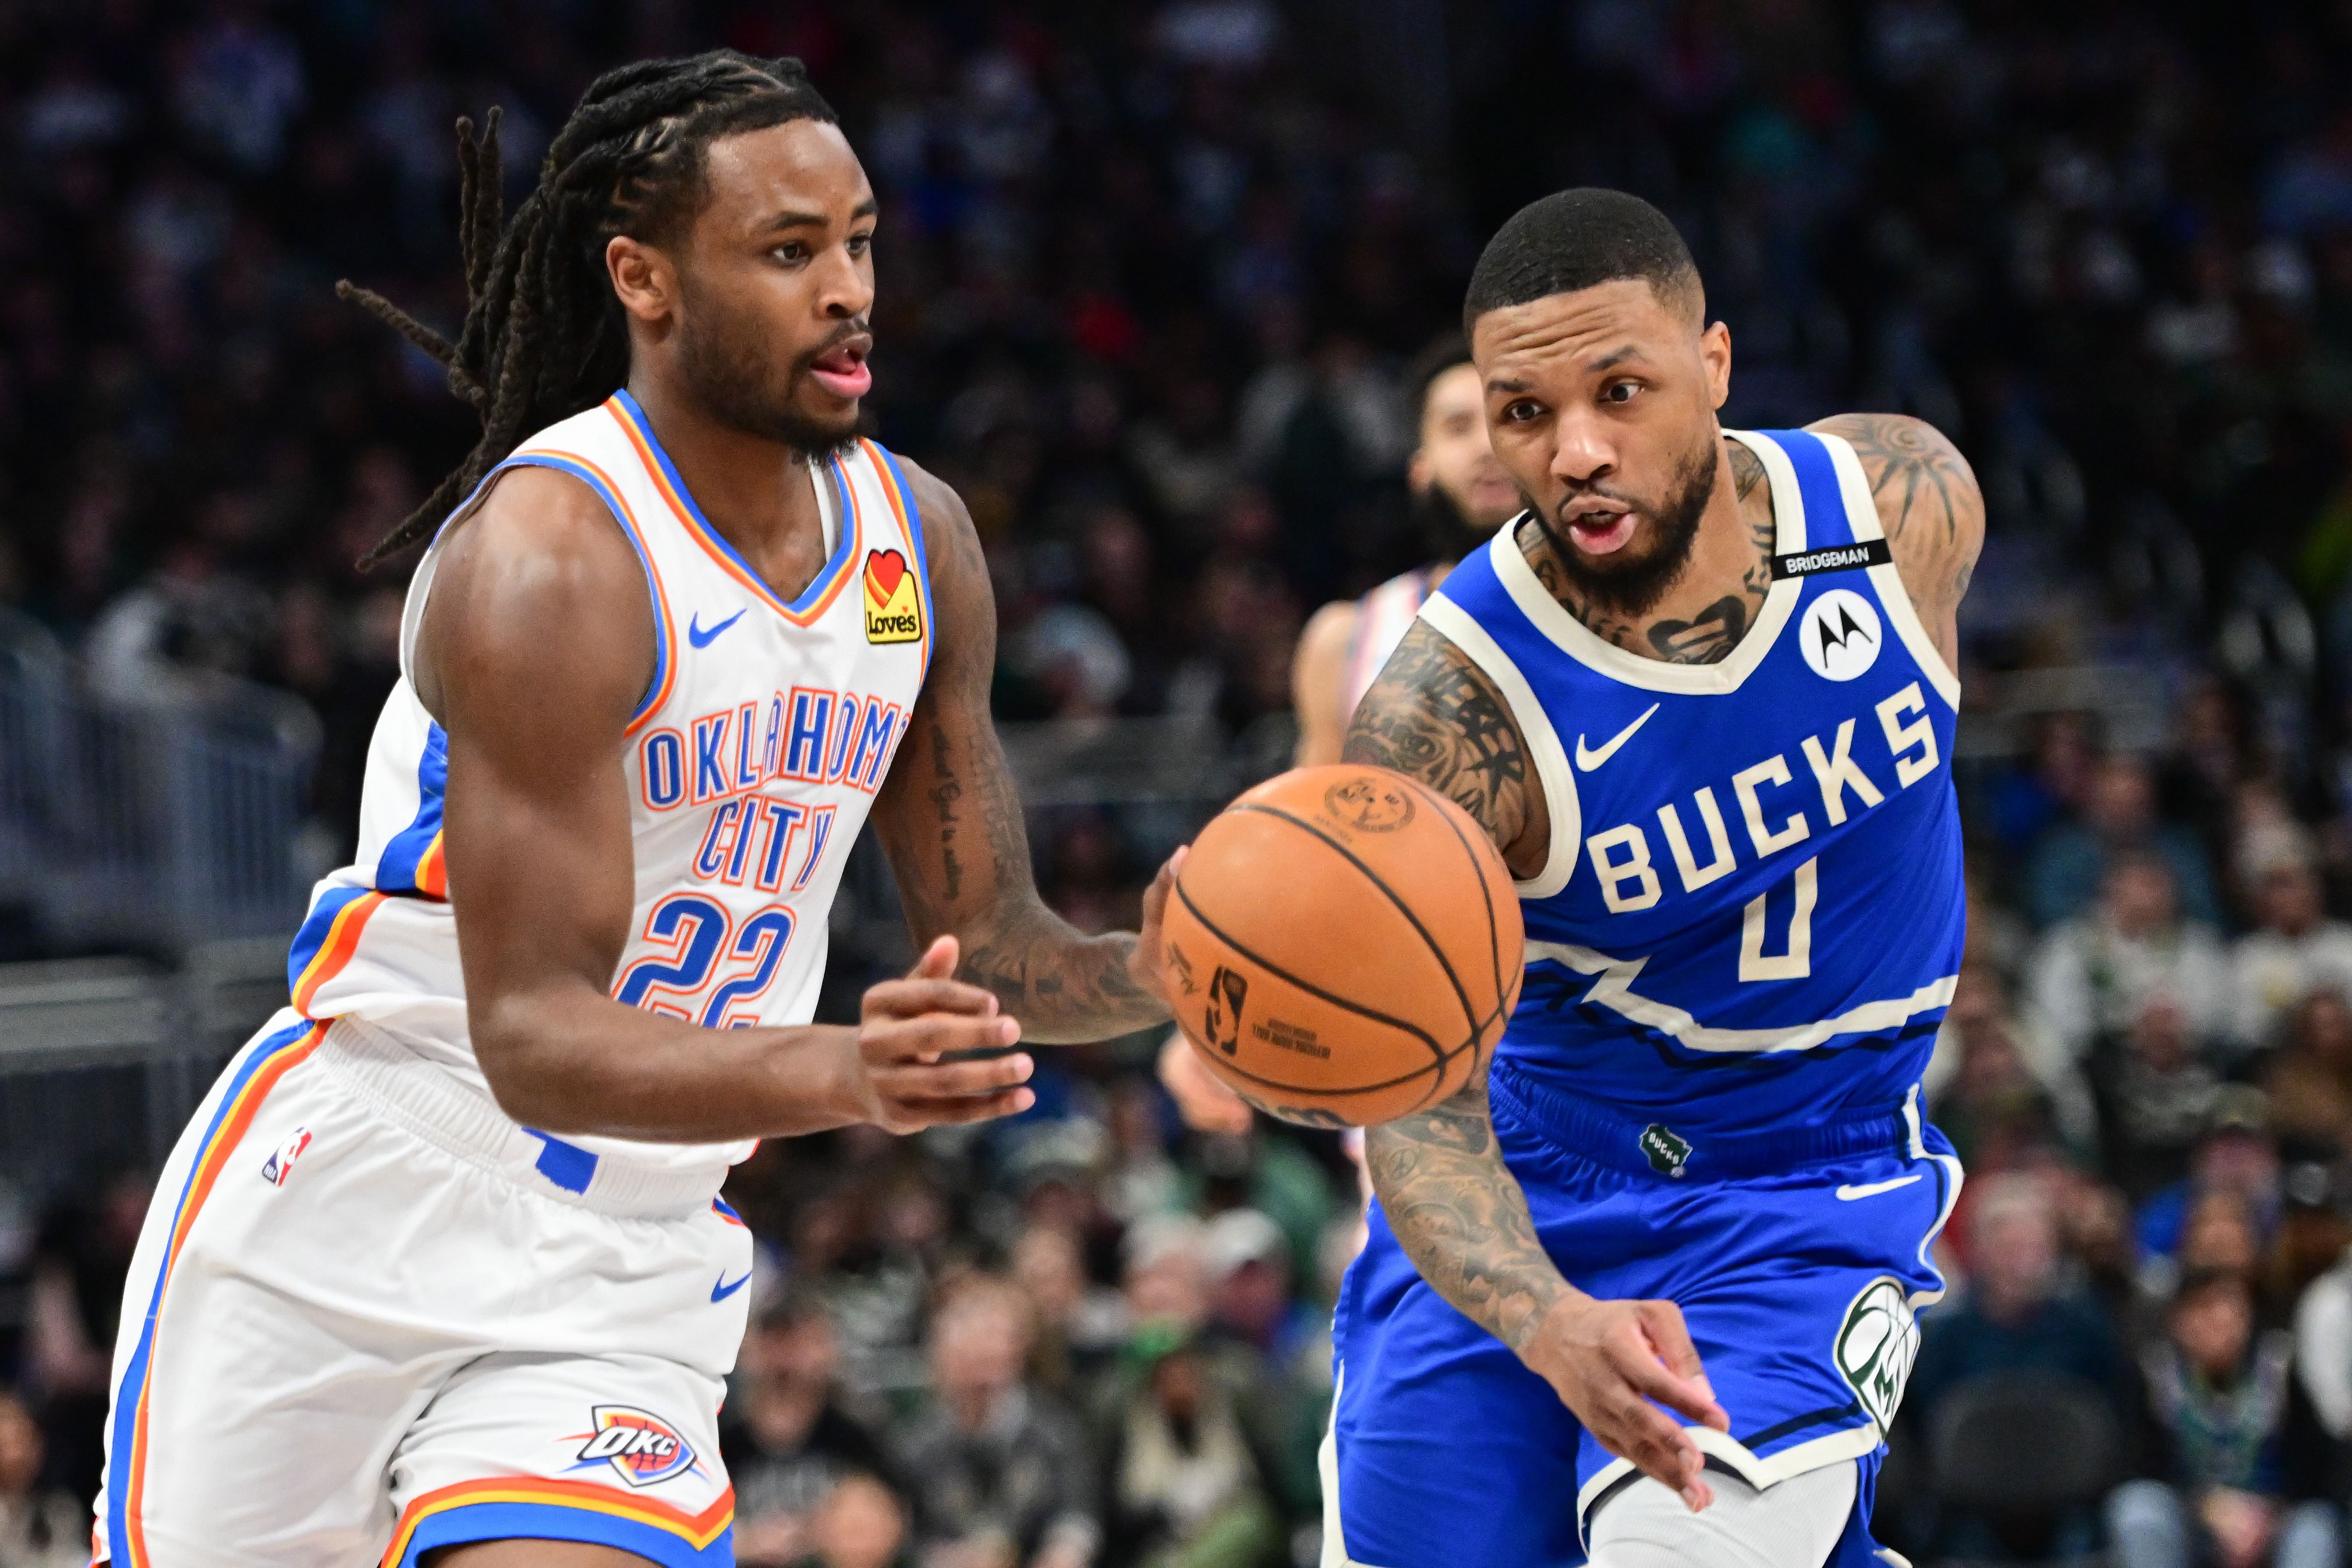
(280, 1163)
(643, 1449)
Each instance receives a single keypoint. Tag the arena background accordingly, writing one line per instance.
(1148, 274)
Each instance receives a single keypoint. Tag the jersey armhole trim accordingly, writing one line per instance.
(1893, 597)
(1558, 785)
(909, 513)
(665, 635)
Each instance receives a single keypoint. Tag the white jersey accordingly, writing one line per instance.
(751, 764)
(1383, 618)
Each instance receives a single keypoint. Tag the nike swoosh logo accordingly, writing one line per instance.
(701, 639)
(721, 1291)
(1871, 1189)
(1589, 759)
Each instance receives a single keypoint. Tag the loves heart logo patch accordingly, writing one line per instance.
(893, 603)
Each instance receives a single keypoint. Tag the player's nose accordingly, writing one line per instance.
(1582, 450)
(845, 289)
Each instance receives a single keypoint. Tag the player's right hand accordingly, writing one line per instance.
(1608, 1360)
(909, 1026)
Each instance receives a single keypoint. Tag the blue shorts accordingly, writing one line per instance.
(1797, 1259)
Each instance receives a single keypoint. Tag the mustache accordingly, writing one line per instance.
(856, 326)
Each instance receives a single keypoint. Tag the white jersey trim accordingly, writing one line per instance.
(1834, 1448)
(1565, 813)
(1614, 990)
(1894, 597)
(1581, 643)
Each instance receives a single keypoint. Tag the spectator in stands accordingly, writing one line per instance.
(40, 1526)
(2234, 1154)
(2323, 1349)
(2310, 1081)
(2294, 949)
(788, 1443)
(2089, 975)
(998, 1470)
(1185, 1487)
(2212, 1484)
(2156, 1096)
(2072, 864)
(2015, 1317)
(1993, 1100)
(1080, 1325)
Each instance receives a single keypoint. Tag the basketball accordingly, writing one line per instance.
(1343, 946)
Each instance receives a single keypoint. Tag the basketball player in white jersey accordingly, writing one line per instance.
(439, 1272)
(1461, 496)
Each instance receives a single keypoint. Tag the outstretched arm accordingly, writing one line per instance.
(1456, 1208)
(951, 821)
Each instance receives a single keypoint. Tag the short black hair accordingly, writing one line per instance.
(1577, 239)
(1437, 356)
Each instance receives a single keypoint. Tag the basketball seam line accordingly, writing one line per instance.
(1444, 1057)
(1494, 937)
(1461, 992)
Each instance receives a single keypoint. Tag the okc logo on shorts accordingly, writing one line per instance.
(643, 1449)
(280, 1163)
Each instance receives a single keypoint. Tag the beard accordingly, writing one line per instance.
(1627, 585)
(1445, 533)
(728, 368)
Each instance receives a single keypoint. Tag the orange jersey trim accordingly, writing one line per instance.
(216, 1155)
(915, 554)
(342, 941)
(684, 511)
(666, 630)
(697, 1529)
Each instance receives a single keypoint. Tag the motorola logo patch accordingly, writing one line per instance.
(1840, 635)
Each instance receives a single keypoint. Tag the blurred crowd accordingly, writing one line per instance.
(1149, 275)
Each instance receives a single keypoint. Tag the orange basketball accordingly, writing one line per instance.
(1343, 946)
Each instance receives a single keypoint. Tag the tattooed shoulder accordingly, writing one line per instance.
(1432, 713)
(1929, 505)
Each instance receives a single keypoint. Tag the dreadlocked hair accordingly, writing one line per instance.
(544, 338)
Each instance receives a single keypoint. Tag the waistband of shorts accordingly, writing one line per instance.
(1606, 1136)
(453, 1116)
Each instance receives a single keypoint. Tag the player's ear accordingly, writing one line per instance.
(642, 276)
(1715, 354)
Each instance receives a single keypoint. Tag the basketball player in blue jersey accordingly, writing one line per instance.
(440, 1273)
(1646, 1296)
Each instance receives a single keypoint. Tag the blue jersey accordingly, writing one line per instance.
(1751, 918)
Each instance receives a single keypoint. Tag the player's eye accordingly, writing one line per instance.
(1521, 410)
(792, 250)
(859, 244)
(1619, 392)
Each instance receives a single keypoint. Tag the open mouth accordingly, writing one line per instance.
(842, 370)
(1601, 532)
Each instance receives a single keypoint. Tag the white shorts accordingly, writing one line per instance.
(369, 1316)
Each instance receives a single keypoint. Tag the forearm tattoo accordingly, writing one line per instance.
(1461, 1218)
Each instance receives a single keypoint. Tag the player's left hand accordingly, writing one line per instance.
(1143, 963)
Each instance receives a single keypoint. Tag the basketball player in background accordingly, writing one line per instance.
(440, 1270)
(1646, 1290)
(1460, 495)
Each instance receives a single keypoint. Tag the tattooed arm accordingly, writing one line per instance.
(1930, 507)
(951, 821)
(1454, 1205)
